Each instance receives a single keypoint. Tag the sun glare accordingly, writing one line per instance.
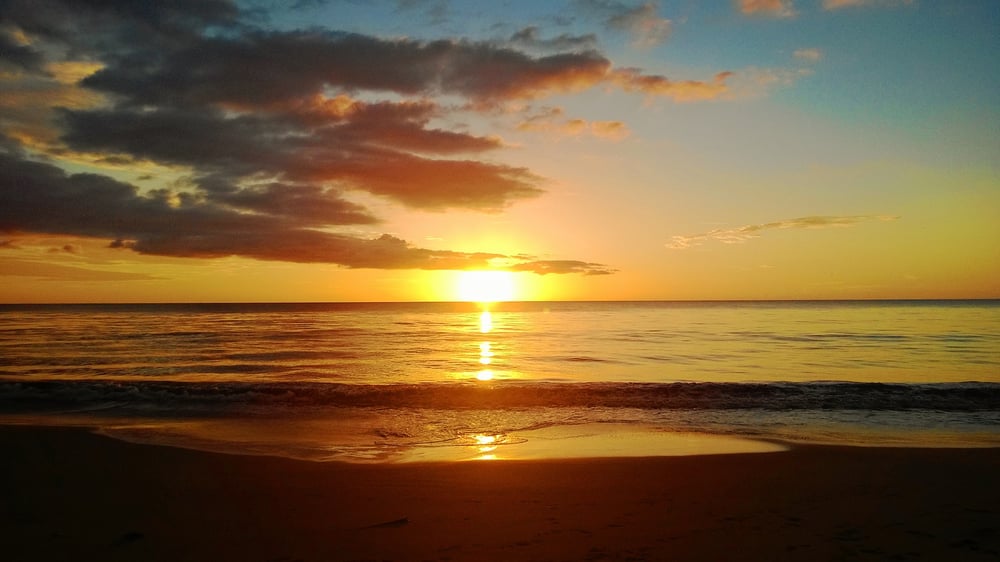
(486, 286)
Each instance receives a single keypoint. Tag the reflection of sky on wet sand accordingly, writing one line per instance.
(584, 441)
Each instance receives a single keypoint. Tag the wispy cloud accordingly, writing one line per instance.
(772, 8)
(530, 38)
(839, 4)
(544, 267)
(553, 121)
(808, 55)
(641, 21)
(635, 80)
(56, 272)
(741, 234)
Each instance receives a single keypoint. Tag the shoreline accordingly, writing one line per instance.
(318, 440)
(71, 494)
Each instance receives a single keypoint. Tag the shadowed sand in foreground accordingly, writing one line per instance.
(70, 495)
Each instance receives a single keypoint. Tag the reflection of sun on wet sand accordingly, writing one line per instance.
(69, 495)
(584, 441)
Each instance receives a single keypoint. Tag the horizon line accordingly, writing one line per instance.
(567, 301)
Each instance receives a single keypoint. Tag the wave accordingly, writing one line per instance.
(234, 398)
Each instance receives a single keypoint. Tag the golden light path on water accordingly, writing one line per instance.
(485, 348)
(573, 440)
(486, 288)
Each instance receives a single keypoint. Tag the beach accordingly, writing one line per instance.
(71, 495)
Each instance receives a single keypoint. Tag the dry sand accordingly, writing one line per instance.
(70, 495)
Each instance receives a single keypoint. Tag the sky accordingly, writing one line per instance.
(347, 150)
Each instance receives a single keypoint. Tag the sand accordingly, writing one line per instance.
(66, 494)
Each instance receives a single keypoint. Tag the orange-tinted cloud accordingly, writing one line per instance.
(634, 80)
(552, 121)
(612, 130)
(40, 197)
(273, 170)
(773, 8)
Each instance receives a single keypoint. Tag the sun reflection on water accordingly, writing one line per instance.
(486, 445)
(485, 353)
(486, 347)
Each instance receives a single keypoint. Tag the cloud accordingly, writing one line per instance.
(642, 21)
(380, 149)
(612, 130)
(772, 8)
(839, 4)
(67, 248)
(275, 133)
(552, 121)
(41, 198)
(28, 98)
(528, 38)
(741, 234)
(808, 55)
(634, 80)
(287, 65)
(56, 272)
(543, 267)
(17, 53)
(757, 82)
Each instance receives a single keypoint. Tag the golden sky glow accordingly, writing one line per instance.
(577, 149)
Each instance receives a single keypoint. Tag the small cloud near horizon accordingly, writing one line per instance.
(741, 234)
(56, 272)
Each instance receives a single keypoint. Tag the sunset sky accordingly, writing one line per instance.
(208, 150)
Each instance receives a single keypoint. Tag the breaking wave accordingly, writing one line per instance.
(235, 398)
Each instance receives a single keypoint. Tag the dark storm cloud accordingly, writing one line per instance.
(267, 126)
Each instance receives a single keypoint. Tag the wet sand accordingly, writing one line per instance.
(66, 494)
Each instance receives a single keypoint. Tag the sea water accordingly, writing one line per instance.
(385, 381)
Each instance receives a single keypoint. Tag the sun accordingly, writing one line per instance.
(486, 286)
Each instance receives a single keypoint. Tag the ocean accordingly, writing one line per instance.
(373, 382)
